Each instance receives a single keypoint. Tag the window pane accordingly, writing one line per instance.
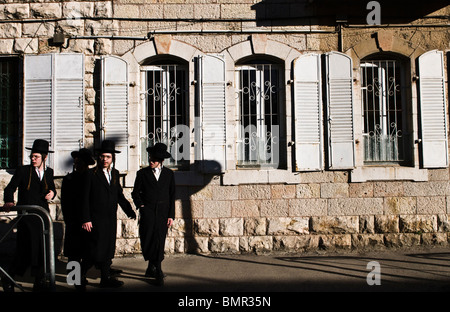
(258, 97)
(382, 111)
(167, 116)
(9, 111)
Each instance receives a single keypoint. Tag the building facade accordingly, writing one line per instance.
(292, 125)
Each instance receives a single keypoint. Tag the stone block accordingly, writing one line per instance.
(288, 226)
(46, 10)
(206, 227)
(295, 243)
(334, 190)
(307, 207)
(443, 223)
(355, 206)
(260, 244)
(402, 240)
(255, 226)
(216, 209)
(195, 244)
(386, 224)
(310, 190)
(388, 189)
(283, 191)
(231, 227)
(225, 192)
(26, 45)
(434, 239)
(224, 244)
(367, 224)
(400, 205)
(254, 192)
(332, 242)
(245, 208)
(431, 205)
(274, 208)
(130, 229)
(360, 189)
(335, 225)
(15, 11)
(368, 241)
(11, 30)
(6, 46)
(418, 223)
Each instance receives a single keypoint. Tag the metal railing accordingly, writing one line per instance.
(47, 238)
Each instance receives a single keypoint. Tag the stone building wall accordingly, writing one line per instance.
(217, 214)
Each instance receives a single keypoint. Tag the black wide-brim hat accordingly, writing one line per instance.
(158, 151)
(108, 146)
(40, 146)
(85, 155)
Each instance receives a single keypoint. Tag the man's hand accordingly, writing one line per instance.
(87, 226)
(7, 207)
(49, 195)
(169, 222)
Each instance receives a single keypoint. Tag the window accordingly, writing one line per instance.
(166, 112)
(259, 99)
(9, 116)
(383, 99)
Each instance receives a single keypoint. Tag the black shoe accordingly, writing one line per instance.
(8, 286)
(41, 285)
(110, 282)
(115, 271)
(151, 271)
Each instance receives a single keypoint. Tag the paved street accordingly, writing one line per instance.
(425, 270)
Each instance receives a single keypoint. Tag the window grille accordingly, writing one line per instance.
(166, 113)
(259, 99)
(382, 102)
(9, 111)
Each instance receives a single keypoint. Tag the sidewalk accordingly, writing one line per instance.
(425, 270)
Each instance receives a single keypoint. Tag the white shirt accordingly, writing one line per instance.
(107, 175)
(40, 173)
(157, 172)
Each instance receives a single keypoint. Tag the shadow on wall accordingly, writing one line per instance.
(326, 12)
(207, 170)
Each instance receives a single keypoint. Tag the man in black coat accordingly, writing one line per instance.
(71, 203)
(154, 196)
(101, 196)
(36, 187)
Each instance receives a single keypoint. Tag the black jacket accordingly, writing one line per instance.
(99, 206)
(155, 200)
(32, 191)
(154, 193)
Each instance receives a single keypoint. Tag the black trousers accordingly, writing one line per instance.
(152, 233)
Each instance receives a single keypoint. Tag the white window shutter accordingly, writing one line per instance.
(340, 111)
(53, 106)
(114, 107)
(308, 113)
(433, 110)
(37, 107)
(69, 109)
(213, 112)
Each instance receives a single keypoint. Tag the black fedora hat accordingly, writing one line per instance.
(158, 151)
(85, 155)
(108, 146)
(40, 146)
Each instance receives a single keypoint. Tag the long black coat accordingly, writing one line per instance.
(158, 198)
(71, 205)
(31, 191)
(100, 200)
(34, 195)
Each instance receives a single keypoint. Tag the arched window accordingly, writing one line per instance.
(259, 96)
(165, 110)
(384, 95)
